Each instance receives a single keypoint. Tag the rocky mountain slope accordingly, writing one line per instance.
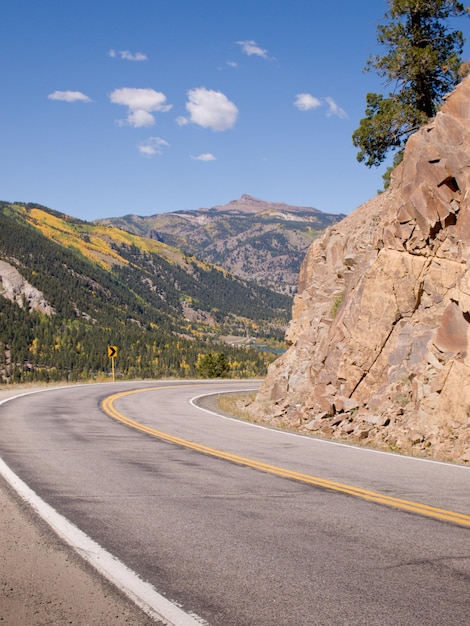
(379, 340)
(256, 240)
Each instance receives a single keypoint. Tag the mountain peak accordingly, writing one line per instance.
(250, 204)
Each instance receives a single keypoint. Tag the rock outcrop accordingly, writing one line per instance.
(379, 339)
(15, 288)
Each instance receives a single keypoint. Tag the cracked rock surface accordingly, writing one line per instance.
(378, 342)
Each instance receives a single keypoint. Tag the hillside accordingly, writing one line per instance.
(70, 288)
(256, 240)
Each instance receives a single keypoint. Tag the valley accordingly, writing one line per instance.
(167, 289)
(69, 288)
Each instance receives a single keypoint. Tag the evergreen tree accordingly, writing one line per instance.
(422, 65)
(213, 365)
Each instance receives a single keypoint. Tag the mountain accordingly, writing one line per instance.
(379, 340)
(256, 240)
(69, 288)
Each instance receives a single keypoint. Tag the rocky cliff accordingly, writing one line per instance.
(379, 338)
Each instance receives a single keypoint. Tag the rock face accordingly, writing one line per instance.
(379, 340)
(15, 288)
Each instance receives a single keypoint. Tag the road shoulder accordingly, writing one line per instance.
(43, 581)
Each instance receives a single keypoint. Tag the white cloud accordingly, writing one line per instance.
(140, 118)
(152, 146)
(305, 102)
(211, 109)
(141, 104)
(144, 99)
(250, 48)
(182, 121)
(207, 156)
(128, 56)
(232, 63)
(69, 96)
(334, 109)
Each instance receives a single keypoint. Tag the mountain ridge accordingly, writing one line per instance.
(250, 204)
(254, 239)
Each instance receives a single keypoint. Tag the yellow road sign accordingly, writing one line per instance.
(112, 351)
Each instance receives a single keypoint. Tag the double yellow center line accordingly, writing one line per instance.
(406, 505)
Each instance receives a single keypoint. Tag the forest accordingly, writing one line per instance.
(106, 291)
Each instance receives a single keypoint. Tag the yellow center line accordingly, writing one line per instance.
(407, 505)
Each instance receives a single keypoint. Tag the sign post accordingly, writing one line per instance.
(112, 353)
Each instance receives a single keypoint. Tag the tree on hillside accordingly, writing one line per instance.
(421, 65)
(213, 365)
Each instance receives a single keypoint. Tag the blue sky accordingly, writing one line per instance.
(111, 107)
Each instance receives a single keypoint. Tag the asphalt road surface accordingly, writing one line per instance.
(259, 527)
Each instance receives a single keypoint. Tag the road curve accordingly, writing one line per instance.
(235, 545)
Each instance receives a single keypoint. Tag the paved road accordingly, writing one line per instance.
(235, 545)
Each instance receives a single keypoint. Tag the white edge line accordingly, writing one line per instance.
(143, 594)
(395, 455)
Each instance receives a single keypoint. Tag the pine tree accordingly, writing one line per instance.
(422, 65)
(213, 365)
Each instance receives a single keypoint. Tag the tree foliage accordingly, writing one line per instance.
(135, 305)
(421, 65)
(213, 365)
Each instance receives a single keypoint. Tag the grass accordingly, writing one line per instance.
(336, 305)
(236, 404)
